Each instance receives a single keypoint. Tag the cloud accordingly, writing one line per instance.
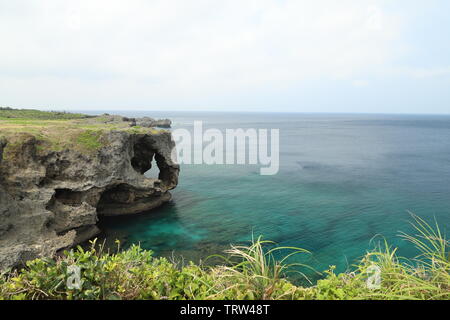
(148, 53)
(360, 83)
(428, 72)
(375, 18)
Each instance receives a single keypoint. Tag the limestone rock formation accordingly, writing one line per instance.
(148, 122)
(51, 200)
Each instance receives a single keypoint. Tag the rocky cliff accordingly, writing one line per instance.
(51, 198)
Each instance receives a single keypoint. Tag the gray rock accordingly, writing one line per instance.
(148, 122)
(163, 123)
(145, 122)
(51, 200)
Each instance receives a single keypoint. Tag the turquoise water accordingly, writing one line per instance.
(343, 179)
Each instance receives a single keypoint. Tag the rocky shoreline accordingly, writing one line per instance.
(52, 199)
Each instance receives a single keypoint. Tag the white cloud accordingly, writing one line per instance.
(109, 53)
(428, 72)
(374, 18)
(360, 83)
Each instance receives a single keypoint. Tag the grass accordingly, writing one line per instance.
(9, 113)
(426, 276)
(90, 140)
(57, 131)
(249, 272)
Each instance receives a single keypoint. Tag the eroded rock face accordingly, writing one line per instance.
(52, 200)
(148, 122)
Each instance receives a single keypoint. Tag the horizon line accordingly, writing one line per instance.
(104, 110)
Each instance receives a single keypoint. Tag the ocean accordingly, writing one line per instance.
(346, 182)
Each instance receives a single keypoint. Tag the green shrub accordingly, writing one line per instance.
(251, 272)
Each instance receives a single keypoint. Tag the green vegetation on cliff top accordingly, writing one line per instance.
(59, 130)
(10, 113)
(251, 272)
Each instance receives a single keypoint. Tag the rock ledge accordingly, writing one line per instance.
(51, 200)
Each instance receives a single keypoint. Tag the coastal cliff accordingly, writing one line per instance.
(57, 177)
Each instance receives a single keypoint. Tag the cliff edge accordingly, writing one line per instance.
(57, 176)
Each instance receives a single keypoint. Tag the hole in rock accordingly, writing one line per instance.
(118, 194)
(153, 172)
(68, 197)
(143, 160)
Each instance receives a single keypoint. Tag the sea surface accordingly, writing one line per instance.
(345, 181)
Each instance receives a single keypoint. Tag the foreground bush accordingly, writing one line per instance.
(250, 272)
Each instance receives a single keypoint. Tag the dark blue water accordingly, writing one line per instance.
(343, 179)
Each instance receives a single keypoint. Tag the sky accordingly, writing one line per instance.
(365, 56)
